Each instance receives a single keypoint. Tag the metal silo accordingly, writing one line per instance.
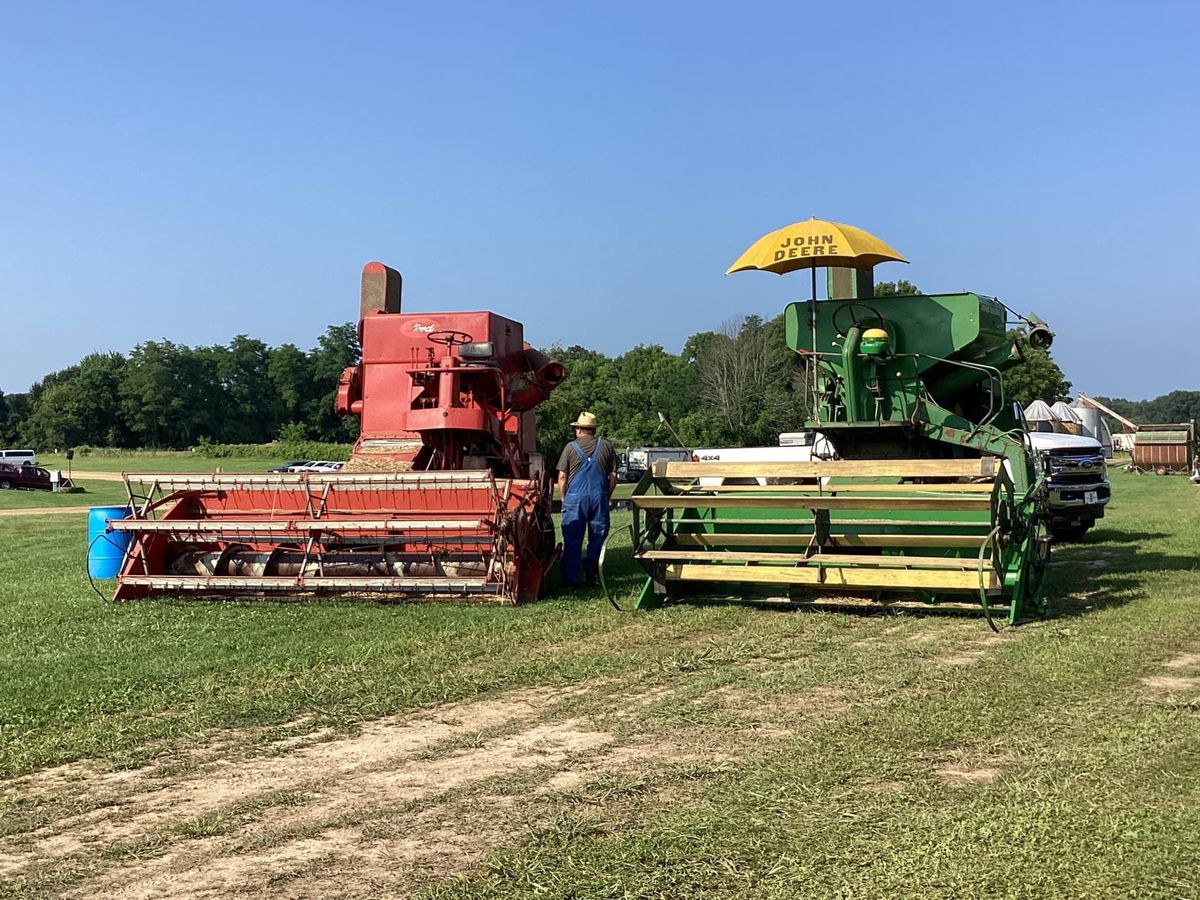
(1095, 426)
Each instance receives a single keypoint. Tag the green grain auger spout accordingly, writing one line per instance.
(934, 497)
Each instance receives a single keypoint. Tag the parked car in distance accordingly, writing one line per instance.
(320, 465)
(29, 478)
(18, 457)
(324, 465)
(288, 466)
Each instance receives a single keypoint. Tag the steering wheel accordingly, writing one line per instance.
(450, 338)
(850, 307)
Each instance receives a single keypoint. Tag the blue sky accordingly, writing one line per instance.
(196, 170)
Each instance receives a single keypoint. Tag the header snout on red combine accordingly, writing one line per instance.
(444, 494)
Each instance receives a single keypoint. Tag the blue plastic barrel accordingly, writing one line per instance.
(105, 551)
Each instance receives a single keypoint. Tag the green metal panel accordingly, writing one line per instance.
(940, 325)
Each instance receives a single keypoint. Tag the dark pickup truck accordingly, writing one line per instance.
(30, 478)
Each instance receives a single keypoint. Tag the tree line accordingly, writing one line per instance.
(165, 395)
(739, 385)
(1177, 406)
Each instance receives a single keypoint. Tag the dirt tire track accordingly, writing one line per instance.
(139, 807)
(428, 794)
(281, 821)
(46, 511)
(312, 832)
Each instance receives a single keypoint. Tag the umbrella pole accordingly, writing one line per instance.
(812, 360)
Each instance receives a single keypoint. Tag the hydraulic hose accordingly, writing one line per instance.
(983, 598)
(600, 570)
(87, 555)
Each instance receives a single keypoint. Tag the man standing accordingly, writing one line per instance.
(587, 476)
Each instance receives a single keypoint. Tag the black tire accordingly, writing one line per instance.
(1068, 533)
(5, 485)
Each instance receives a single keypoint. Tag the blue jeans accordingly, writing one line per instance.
(583, 511)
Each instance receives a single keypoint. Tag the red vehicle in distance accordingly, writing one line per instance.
(31, 478)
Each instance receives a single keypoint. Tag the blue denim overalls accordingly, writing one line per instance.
(584, 506)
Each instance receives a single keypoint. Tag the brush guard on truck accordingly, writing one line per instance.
(392, 535)
(897, 533)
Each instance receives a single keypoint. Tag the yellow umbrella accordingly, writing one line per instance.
(815, 244)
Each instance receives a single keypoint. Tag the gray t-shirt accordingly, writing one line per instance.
(570, 462)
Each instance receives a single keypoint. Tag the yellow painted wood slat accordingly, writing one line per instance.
(687, 501)
(842, 487)
(878, 468)
(953, 563)
(983, 524)
(851, 601)
(834, 579)
(836, 540)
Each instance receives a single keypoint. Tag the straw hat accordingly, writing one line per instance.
(586, 420)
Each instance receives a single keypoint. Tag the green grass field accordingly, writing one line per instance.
(697, 751)
(159, 461)
(95, 493)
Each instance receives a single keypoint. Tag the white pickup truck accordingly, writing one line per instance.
(801, 446)
(1077, 476)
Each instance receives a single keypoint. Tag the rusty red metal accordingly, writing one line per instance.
(444, 494)
(1168, 447)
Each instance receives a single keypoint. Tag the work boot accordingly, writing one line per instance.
(589, 573)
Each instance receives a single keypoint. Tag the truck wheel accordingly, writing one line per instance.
(5, 485)
(1068, 533)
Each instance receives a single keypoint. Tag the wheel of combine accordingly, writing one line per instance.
(1020, 552)
(1005, 547)
(1003, 502)
(1033, 555)
(1037, 556)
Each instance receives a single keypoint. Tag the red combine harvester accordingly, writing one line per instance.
(444, 495)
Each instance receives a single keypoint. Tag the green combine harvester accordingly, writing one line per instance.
(935, 497)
